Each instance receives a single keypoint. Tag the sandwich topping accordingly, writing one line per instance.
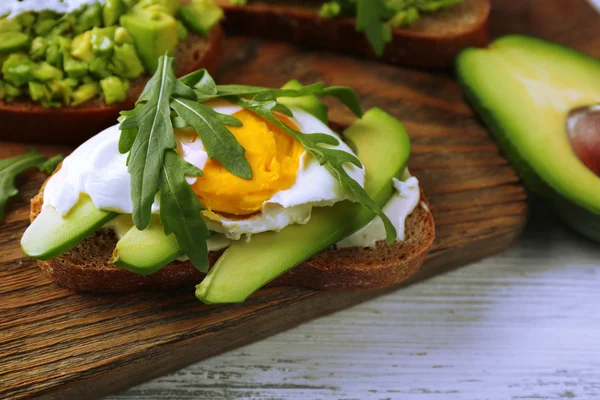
(69, 52)
(376, 18)
(197, 167)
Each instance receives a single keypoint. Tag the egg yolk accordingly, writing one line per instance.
(274, 157)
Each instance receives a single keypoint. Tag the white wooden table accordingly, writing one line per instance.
(521, 325)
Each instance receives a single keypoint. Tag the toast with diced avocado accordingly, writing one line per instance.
(426, 34)
(76, 71)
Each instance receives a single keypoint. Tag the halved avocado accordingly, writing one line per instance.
(51, 235)
(524, 89)
(383, 147)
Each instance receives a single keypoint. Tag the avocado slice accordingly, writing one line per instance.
(310, 104)
(200, 15)
(51, 235)
(383, 147)
(154, 34)
(145, 252)
(524, 88)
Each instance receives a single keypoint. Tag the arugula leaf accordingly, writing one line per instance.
(9, 169)
(332, 159)
(370, 19)
(219, 142)
(154, 137)
(344, 94)
(181, 211)
(50, 164)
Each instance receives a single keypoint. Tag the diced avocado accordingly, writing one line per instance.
(38, 48)
(45, 72)
(125, 62)
(53, 54)
(18, 69)
(59, 90)
(26, 20)
(122, 36)
(81, 47)
(10, 25)
(112, 11)
(200, 15)
(383, 147)
(84, 93)
(46, 21)
(524, 89)
(182, 31)
(166, 6)
(99, 68)
(113, 89)
(103, 41)
(154, 34)
(90, 17)
(75, 68)
(51, 235)
(13, 41)
(36, 91)
(11, 91)
(310, 104)
(145, 252)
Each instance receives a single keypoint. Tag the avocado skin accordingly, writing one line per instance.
(574, 210)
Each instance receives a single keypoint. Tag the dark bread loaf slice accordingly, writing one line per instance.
(86, 267)
(31, 122)
(432, 42)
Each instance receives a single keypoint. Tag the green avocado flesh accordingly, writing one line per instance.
(145, 252)
(310, 104)
(524, 88)
(118, 40)
(51, 235)
(383, 147)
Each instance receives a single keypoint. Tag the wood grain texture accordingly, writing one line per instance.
(60, 344)
(519, 325)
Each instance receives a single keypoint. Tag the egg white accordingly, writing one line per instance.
(97, 169)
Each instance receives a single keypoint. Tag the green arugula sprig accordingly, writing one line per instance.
(265, 103)
(147, 133)
(10, 168)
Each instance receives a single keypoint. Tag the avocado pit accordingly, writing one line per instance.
(583, 130)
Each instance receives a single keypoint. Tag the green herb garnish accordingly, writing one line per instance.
(155, 168)
(10, 168)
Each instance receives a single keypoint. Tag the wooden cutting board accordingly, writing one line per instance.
(59, 344)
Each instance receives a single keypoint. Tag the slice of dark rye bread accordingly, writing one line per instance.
(432, 42)
(86, 267)
(27, 121)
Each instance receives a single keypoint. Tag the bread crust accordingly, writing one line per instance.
(433, 42)
(26, 121)
(86, 267)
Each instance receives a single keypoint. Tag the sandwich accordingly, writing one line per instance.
(417, 33)
(233, 187)
(70, 66)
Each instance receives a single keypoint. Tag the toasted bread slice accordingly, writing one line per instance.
(86, 267)
(26, 121)
(432, 42)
